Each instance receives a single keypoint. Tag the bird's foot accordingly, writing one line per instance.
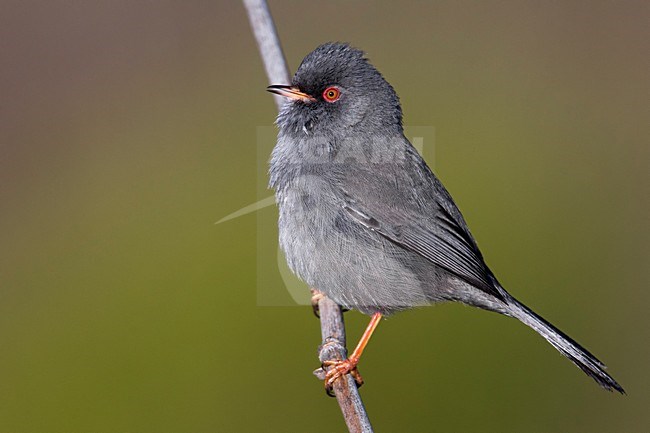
(316, 296)
(339, 368)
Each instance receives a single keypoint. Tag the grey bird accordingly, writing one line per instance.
(364, 220)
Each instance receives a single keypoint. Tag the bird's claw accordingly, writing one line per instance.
(316, 296)
(339, 368)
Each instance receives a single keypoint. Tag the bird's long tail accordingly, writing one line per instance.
(565, 345)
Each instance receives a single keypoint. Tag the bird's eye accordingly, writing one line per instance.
(331, 94)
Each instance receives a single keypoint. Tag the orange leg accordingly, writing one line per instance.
(339, 368)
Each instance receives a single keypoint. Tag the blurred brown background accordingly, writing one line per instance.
(127, 128)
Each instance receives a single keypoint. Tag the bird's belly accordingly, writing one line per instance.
(356, 267)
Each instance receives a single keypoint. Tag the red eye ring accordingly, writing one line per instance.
(331, 94)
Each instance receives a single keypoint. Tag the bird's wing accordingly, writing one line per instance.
(420, 218)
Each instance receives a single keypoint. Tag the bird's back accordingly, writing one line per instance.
(357, 267)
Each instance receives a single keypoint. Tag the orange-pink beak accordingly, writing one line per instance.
(290, 92)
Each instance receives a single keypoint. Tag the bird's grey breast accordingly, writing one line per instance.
(307, 200)
(330, 250)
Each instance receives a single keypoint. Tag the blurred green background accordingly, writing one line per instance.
(127, 128)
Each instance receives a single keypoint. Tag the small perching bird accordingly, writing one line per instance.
(362, 217)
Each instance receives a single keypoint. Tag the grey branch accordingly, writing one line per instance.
(333, 347)
(268, 44)
(331, 316)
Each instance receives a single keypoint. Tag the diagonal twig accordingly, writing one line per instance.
(331, 316)
(268, 43)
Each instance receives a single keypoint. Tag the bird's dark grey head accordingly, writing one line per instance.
(336, 91)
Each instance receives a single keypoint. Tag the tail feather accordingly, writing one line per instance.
(566, 346)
